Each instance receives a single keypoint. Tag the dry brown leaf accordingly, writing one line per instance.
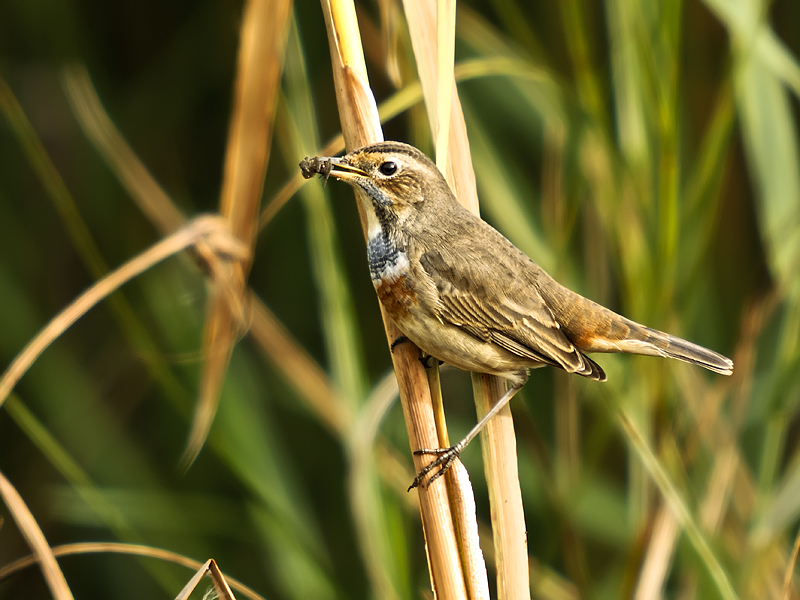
(263, 33)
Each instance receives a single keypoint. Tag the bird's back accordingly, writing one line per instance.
(503, 290)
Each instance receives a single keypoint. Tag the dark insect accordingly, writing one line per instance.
(313, 166)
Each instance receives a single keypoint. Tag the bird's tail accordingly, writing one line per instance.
(644, 340)
(594, 328)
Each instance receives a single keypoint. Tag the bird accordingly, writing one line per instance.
(465, 295)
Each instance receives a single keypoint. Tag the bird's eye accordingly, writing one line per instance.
(388, 168)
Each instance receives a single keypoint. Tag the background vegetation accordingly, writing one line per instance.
(644, 154)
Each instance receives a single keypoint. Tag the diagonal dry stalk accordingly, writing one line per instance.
(209, 236)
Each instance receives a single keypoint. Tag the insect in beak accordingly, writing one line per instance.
(324, 165)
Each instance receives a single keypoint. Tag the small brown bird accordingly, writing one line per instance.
(467, 296)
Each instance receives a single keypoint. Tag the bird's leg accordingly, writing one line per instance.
(447, 456)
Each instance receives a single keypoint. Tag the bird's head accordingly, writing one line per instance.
(399, 180)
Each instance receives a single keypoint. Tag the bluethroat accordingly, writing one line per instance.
(467, 296)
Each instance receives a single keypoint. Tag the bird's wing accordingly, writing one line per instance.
(489, 299)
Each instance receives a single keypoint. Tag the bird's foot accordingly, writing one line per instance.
(429, 361)
(425, 359)
(400, 339)
(447, 456)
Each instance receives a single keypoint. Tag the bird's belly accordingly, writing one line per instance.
(445, 341)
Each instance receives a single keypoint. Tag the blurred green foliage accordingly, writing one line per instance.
(646, 154)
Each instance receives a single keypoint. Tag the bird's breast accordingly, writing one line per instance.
(389, 270)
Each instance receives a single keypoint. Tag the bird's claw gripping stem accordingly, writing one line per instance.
(447, 456)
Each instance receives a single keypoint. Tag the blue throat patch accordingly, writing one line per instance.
(383, 255)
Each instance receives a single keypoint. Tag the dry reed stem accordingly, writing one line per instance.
(127, 549)
(260, 62)
(30, 530)
(462, 502)
(209, 235)
(360, 126)
(499, 449)
(498, 439)
(445, 57)
(211, 569)
(459, 487)
(421, 17)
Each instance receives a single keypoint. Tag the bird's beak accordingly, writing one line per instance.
(330, 166)
(342, 170)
